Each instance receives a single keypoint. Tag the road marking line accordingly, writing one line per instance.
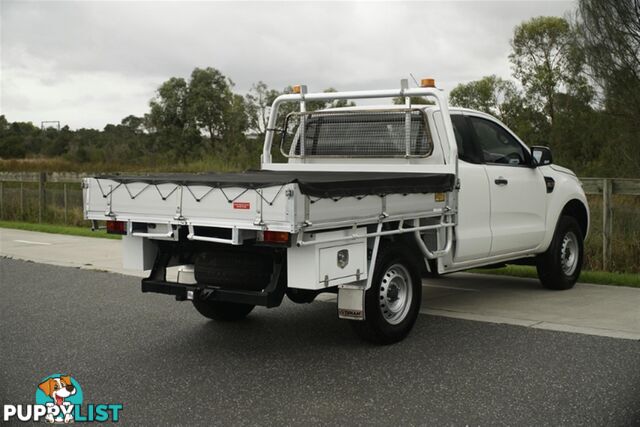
(32, 243)
(451, 287)
(478, 317)
(587, 330)
(533, 324)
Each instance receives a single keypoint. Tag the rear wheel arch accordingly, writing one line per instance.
(408, 242)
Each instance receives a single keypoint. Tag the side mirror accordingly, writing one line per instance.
(541, 156)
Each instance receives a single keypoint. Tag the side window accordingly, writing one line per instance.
(464, 141)
(496, 144)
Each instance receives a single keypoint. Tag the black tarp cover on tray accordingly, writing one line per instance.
(315, 184)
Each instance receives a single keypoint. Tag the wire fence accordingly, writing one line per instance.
(614, 204)
(41, 197)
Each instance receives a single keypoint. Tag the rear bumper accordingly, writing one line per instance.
(179, 290)
(267, 298)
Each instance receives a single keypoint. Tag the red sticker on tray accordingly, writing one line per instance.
(241, 205)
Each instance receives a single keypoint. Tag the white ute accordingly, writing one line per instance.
(360, 201)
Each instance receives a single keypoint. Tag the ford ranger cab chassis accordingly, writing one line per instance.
(367, 201)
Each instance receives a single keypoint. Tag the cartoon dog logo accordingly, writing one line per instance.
(59, 389)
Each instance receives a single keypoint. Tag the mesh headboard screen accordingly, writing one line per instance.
(370, 133)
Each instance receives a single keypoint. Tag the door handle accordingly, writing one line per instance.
(501, 181)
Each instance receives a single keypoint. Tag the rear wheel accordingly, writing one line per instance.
(220, 310)
(393, 301)
(559, 267)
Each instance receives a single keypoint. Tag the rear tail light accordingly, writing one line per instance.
(279, 237)
(116, 227)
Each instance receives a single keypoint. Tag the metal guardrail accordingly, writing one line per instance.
(606, 187)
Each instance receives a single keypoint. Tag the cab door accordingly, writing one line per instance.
(517, 190)
(473, 233)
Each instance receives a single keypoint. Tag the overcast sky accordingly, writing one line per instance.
(92, 63)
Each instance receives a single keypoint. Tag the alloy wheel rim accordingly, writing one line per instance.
(396, 293)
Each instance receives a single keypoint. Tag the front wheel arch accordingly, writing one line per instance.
(576, 209)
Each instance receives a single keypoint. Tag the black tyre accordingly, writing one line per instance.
(393, 301)
(559, 267)
(223, 311)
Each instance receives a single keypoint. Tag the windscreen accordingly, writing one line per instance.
(374, 133)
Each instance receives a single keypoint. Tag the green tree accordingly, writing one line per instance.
(209, 100)
(133, 123)
(609, 35)
(490, 94)
(581, 131)
(236, 122)
(546, 60)
(12, 147)
(182, 113)
(4, 125)
(168, 109)
(258, 102)
(174, 129)
(502, 99)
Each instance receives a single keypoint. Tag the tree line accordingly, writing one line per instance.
(575, 87)
(188, 120)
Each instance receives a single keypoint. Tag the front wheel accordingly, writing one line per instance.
(220, 310)
(559, 267)
(393, 301)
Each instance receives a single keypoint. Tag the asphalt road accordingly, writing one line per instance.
(611, 311)
(297, 364)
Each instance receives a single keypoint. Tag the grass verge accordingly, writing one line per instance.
(57, 229)
(598, 277)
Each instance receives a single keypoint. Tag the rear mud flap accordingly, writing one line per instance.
(351, 303)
